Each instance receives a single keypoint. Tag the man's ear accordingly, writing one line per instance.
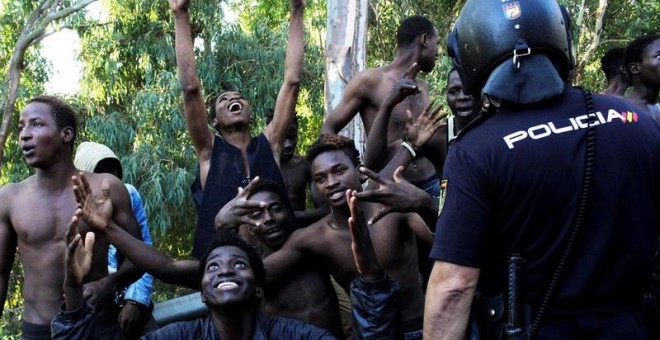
(249, 229)
(634, 68)
(67, 134)
(423, 39)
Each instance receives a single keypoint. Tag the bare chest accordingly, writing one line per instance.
(40, 219)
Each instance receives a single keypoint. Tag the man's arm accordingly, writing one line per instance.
(377, 141)
(148, 258)
(8, 240)
(352, 101)
(448, 299)
(132, 248)
(375, 299)
(283, 262)
(285, 106)
(193, 101)
(122, 214)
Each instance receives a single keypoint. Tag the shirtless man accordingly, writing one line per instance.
(643, 66)
(615, 72)
(417, 42)
(306, 295)
(35, 212)
(297, 178)
(334, 162)
(231, 161)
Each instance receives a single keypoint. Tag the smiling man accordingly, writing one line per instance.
(230, 161)
(334, 162)
(231, 277)
(34, 214)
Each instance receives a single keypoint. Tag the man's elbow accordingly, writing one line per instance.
(293, 79)
(191, 89)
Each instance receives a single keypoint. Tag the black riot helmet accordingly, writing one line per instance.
(490, 32)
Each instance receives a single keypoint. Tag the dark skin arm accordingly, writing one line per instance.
(351, 102)
(365, 258)
(116, 201)
(8, 240)
(284, 262)
(285, 106)
(145, 256)
(194, 108)
(376, 153)
(78, 261)
(420, 132)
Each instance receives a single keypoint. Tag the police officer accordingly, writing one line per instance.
(558, 186)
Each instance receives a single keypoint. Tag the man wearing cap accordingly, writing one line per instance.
(552, 200)
(134, 300)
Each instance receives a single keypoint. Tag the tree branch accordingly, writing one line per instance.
(595, 39)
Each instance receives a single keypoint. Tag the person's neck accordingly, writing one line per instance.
(239, 137)
(340, 216)
(56, 176)
(235, 323)
(403, 58)
(644, 93)
(616, 88)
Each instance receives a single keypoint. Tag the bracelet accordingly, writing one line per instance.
(409, 148)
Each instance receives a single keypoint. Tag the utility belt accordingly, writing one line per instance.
(505, 315)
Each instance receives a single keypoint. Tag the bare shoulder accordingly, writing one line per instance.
(309, 237)
(372, 76)
(8, 194)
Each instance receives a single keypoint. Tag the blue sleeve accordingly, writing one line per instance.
(463, 225)
(79, 323)
(376, 308)
(141, 290)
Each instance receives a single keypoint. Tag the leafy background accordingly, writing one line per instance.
(130, 97)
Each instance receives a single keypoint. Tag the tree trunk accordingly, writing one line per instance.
(346, 42)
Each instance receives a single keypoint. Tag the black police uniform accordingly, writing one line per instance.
(512, 186)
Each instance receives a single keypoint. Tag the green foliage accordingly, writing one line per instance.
(130, 97)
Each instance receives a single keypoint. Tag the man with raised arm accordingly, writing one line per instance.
(34, 214)
(375, 304)
(367, 91)
(230, 161)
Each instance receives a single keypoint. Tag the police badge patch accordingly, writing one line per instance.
(511, 10)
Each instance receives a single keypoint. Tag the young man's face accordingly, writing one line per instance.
(334, 173)
(460, 103)
(228, 278)
(231, 108)
(39, 136)
(429, 53)
(649, 68)
(271, 223)
(290, 143)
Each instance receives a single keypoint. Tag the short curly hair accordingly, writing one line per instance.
(412, 27)
(330, 142)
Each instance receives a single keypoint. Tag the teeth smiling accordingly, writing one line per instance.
(227, 285)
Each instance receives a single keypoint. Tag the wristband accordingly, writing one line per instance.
(409, 148)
